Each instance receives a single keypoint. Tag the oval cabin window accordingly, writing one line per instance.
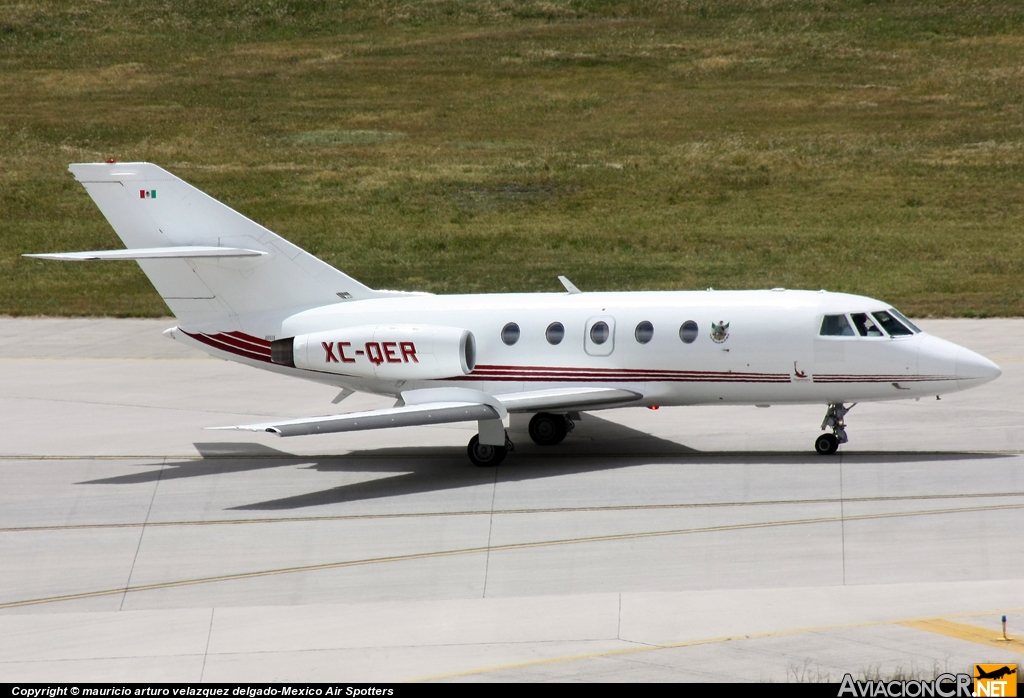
(510, 333)
(644, 332)
(688, 332)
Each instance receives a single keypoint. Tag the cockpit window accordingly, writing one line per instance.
(836, 326)
(891, 324)
(866, 327)
(902, 318)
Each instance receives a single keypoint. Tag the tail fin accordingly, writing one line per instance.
(149, 207)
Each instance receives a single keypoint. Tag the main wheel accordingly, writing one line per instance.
(548, 429)
(484, 456)
(826, 444)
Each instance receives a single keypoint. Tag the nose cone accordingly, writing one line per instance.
(974, 369)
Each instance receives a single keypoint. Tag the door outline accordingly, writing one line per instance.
(591, 347)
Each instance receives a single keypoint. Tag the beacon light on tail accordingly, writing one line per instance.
(242, 293)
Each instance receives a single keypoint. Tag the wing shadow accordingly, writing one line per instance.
(595, 445)
(430, 469)
(217, 459)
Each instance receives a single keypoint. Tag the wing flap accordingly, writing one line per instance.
(408, 416)
(150, 253)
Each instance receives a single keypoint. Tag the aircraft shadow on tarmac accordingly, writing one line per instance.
(596, 444)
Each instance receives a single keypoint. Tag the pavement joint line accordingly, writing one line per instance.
(704, 641)
(512, 512)
(461, 449)
(142, 534)
(499, 548)
(971, 633)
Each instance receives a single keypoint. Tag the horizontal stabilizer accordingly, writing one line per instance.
(407, 416)
(150, 253)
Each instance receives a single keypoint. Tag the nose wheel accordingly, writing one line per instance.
(827, 444)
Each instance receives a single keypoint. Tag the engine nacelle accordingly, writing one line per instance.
(387, 352)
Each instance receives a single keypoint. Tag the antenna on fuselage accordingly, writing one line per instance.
(569, 286)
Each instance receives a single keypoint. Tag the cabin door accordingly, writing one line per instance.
(599, 337)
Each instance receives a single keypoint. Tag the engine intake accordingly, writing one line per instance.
(387, 352)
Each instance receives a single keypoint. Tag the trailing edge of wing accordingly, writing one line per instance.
(150, 253)
(407, 416)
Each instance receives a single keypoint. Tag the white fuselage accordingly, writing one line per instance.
(749, 347)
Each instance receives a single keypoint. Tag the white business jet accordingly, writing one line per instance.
(242, 293)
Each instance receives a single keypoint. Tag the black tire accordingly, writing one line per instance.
(484, 456)
(548, 429)
(826, 444)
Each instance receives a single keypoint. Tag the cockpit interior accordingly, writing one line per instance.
(881, 323)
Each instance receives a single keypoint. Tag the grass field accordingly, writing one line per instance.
(868, 147)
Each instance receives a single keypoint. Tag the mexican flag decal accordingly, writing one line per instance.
(147, 193)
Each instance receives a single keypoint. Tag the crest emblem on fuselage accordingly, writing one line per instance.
(719, 331)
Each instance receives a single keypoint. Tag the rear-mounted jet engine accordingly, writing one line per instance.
(388, 352)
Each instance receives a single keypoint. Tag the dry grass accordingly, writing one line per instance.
(870, 147)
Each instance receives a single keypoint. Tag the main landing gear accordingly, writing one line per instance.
(827, 444)
(546, 429)
(484, 456)
(549, 429)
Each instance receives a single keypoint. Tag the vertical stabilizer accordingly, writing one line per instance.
(149, 207)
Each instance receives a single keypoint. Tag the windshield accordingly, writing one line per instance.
(902, 318)
(865, 325)
(891, 324)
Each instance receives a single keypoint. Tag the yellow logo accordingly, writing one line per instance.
(995, 680)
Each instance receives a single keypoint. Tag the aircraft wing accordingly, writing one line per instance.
(565, 399)
(445, 406)
(407, 416)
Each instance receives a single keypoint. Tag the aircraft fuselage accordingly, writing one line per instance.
(673, 348)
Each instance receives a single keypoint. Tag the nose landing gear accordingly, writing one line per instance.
(827, 444)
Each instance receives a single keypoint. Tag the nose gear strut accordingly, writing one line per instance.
(827, 444)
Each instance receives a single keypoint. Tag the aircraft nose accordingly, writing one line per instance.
(975, 368)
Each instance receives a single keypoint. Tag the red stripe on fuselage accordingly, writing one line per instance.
(880, 379)
(242, 344)
(263, 343)
(581, 374)
(217, 341)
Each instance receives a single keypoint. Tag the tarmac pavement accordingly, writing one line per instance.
(683, 544)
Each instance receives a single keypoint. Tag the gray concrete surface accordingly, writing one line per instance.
(682, 544)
